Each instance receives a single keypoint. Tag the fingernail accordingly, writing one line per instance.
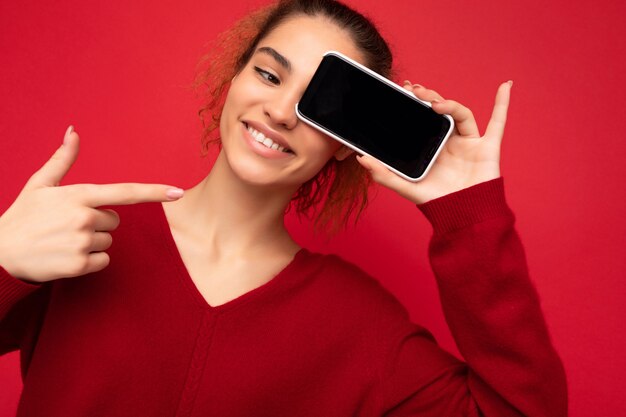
(362, 160)
(67, 133)
(510, 83)
(407, 82)
(174, 193)
(417, 86)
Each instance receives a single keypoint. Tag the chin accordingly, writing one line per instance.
(256, 172)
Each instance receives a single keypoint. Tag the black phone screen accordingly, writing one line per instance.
(373, 116)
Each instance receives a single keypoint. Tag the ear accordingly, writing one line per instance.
(342, 153)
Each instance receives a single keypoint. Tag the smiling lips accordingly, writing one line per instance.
(267, 146)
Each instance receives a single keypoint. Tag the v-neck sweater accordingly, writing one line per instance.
(322, 338)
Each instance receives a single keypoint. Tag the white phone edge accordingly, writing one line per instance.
(361, 151)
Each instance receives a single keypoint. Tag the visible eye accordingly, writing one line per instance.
(268, 76)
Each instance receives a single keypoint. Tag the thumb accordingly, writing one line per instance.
(53, 171)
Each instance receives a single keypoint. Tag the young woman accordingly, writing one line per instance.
(206, 306)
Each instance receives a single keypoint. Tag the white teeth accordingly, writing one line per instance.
(260, 137)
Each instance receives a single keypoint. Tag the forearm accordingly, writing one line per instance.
(490, 304)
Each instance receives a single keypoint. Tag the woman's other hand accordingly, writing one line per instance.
(466, 159)
(53, 231)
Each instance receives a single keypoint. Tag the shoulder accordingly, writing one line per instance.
(355, 291)
(358, 309)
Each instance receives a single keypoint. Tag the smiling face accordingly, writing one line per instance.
(263, 140)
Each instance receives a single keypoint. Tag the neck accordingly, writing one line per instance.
(230, 217)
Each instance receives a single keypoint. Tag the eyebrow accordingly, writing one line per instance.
(284, 62)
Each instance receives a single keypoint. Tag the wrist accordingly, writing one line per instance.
(468, 206)
(13, 272)
(464, 182)
(5, 264)
(5, 256)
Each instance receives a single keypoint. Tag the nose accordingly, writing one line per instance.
(281, 109)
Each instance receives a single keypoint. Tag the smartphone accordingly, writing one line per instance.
(374, 116)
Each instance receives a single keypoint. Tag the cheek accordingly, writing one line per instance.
(320, 151)
(226, 113)
(323, 144)
(231, 111)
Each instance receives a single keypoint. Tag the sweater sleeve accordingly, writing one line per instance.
(21, 308)
(494, 314)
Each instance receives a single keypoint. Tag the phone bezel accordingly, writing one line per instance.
(390, 83)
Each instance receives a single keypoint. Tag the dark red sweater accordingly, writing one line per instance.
(320, 339)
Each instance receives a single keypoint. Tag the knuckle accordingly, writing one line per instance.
(128, 189)
(79, 266)
(56, 157)
(457, 106)
(90, 188)
(144, 192)
(126, 193)
(76, 189)
(433, 93)
(82, 191)
(74, 192)
(84, 219)
(84, 242)
(376, 176)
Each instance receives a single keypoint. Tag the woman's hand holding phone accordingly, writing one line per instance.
(467, 158)
(53, 231)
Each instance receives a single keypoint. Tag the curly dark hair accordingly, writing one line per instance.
(341, 186)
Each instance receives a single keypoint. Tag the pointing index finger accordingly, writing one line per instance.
(127, 193)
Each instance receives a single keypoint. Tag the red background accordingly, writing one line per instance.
(119, 72)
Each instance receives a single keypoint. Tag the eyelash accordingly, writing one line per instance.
(268, 76)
